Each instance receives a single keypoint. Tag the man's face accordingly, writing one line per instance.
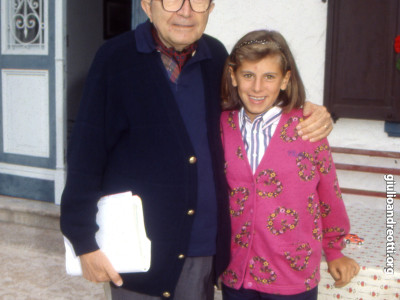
(176, 29)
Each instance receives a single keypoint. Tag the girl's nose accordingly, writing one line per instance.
(257, 84)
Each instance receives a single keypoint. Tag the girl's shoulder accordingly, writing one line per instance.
(292, 117)
(229, 119)
(287, 128)
(290, 120)
(295, 112)
(228, 114)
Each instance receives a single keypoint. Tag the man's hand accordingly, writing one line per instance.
(343, 270)
(97, 268)
(318, 125)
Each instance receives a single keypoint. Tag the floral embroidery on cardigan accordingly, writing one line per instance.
(315, 210)
(229, 277)
(311, 278)
(294, 261)
(324, 164)
(285, 225)
(231, 121)
(242, 238)
(239, 153)
(270, 180)
(310, 206)
(291, 122)
(259, 265)
(337, 190)
(332, 243)
(316, 233)
(238, 196)
(325, 209)
(304, 156)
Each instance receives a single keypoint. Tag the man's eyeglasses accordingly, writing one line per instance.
(198, 6)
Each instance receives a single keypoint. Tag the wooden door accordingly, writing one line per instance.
(361, 79)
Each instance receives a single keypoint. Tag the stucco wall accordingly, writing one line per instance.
(303, 23)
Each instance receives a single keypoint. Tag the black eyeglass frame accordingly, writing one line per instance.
(191, 7)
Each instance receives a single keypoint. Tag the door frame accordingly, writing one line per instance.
(38, 177)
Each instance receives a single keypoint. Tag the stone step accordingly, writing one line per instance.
(29, 213)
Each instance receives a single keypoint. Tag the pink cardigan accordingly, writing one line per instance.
(283, 215)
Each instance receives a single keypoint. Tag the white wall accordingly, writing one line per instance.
(363, 134)
(303, 24)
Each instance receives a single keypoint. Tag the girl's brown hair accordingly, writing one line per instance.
(255, 46)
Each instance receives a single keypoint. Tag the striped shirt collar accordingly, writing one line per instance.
(257, 135)
(266, 117)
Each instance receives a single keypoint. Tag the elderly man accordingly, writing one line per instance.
(149, 123)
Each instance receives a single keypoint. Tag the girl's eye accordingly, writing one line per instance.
(247, 75)
(269, 77)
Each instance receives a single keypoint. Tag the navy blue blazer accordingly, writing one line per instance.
(130, 136)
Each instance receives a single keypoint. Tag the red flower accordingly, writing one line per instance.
(397, 44)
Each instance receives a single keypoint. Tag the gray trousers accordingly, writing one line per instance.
(195, 283)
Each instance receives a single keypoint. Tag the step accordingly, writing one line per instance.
(361, 180)
(362, 160)
(360, 201)
(360, 172)
(29, 213)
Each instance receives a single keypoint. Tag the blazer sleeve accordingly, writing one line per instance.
(87, 156)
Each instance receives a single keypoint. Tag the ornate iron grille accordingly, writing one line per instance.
(26, 26)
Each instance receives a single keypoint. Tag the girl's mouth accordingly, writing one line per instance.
(256, 98)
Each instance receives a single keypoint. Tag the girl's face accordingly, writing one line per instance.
(259, 84)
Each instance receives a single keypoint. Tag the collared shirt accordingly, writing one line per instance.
(257, 134)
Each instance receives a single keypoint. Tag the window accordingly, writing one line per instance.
(24, 27)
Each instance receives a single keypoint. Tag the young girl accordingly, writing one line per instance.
(285, 201)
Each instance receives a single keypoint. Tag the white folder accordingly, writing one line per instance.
(121, 236)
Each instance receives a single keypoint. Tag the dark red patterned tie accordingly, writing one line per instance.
(172, 59)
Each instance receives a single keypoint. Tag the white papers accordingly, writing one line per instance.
(121, 235)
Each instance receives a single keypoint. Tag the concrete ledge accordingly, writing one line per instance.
(29, 212)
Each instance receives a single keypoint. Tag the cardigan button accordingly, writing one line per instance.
(166, 294)
(190, 212)
(192, 160)
(181, 256)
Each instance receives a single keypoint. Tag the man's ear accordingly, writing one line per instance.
(146, 6)
(233, 77)
(211, 8)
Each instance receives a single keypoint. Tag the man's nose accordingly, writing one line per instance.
(186, 9)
